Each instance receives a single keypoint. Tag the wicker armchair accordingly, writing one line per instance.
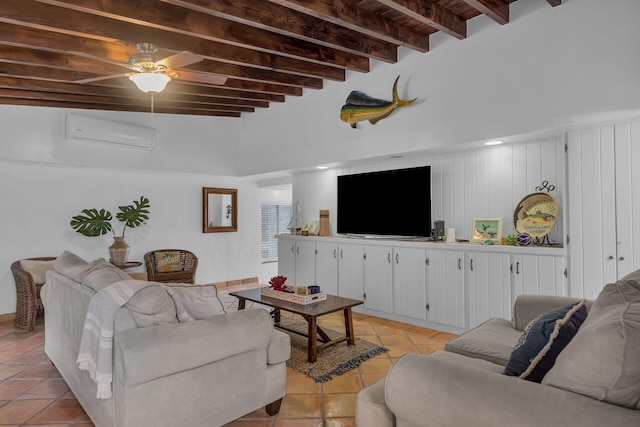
(28, 300)
(185, 273)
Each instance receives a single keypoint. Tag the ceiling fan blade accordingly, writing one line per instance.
(179, 60)
(99, 58)
(192, 76)
(97, 79)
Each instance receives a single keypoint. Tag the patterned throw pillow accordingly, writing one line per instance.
(543, 339)
(168, 261)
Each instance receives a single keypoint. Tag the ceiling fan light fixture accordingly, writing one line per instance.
(150, 82)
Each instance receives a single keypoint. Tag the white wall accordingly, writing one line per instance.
(480, 183)
(206, 145)
(551, 67)
(38, 201)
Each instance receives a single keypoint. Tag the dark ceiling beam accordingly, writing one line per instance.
(78, 105)
(356, 18)
(141, 103)
(432, 14)
(129, 92)
(174, 28)
(497, 10)
(43, 19)
(282, 20)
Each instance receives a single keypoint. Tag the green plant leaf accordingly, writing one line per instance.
(93, 223)
(132, 215)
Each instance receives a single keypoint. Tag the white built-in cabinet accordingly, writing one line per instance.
(604, 205)
(327, 267)
(296, 261)
(378, 278)
(445, 286)
(409, 282)
(350, 271)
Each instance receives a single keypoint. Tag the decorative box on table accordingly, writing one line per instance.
(294, 298)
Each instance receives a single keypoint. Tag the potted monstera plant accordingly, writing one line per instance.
(94, 222)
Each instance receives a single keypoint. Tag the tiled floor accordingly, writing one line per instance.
(32, 393)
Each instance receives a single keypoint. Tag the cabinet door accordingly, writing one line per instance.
(287, 259)
(350, 271)
(488, 287)
(445, 287)
(603, 184)
(327, 267)
(305, 263)
(410, 283)
(538, 274)
(378, 278)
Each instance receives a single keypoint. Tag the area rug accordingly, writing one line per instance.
(335, 360)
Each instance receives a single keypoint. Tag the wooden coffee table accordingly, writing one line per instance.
(310, 313)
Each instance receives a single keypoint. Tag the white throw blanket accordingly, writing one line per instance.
(96, 345)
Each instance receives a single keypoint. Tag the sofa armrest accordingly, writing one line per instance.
(447, 389)
(529, 307)
(279, 348)
(143, 354)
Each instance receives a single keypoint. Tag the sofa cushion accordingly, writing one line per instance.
(602, 360)
(152, 306)
(493, 341)
(543, 339)
(167, 261)
(100, 273)
(37, 268)
(71, 265)
(200, 301)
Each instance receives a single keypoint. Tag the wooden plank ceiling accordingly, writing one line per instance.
(52, 51)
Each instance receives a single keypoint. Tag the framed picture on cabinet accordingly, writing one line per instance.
(485, 230)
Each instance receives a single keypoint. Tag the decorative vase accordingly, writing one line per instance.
(119, 251)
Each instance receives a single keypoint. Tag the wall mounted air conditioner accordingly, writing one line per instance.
(117, 134)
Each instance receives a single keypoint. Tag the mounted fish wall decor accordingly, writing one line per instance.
(360, 107)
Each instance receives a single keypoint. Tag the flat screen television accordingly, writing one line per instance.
(387, 203)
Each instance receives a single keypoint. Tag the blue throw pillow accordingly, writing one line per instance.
(543, 339)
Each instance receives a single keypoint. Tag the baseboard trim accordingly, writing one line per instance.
(9, 317)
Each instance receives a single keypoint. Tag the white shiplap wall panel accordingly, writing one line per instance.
(485, 182)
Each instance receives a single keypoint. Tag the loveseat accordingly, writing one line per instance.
(203, 372)
(595, 380)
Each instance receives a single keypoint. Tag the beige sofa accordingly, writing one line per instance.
(205, 372)
(595, 380)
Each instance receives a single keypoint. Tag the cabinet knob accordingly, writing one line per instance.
(459, 264)
(621, 258)
(389, 258)
(397, 259)
(610, 257)
(334, 253)
(471, 264)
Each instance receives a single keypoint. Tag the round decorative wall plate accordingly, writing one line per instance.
(536, 214)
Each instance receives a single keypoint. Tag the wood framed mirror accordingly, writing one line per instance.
(219, 210)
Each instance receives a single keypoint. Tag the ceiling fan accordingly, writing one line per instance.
(152, 75)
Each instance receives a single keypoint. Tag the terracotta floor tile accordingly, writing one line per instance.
(27, 358)
(375, 339)
(340, 405)
(375, 366)
(395, 340)
(8, 371)
(417, 330)
(422, 339)
(399, 350)
(428, 349)
(38, 371)
(61, 411)
(298, 423)
(22, 346)
(341, 422)
(20, 411)
(48, 389)
(5, 356)
(301, 384)
(368, 379)
(300, 406)
(444, 337)
(343, 384)
(11, 389)
(249, 423)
